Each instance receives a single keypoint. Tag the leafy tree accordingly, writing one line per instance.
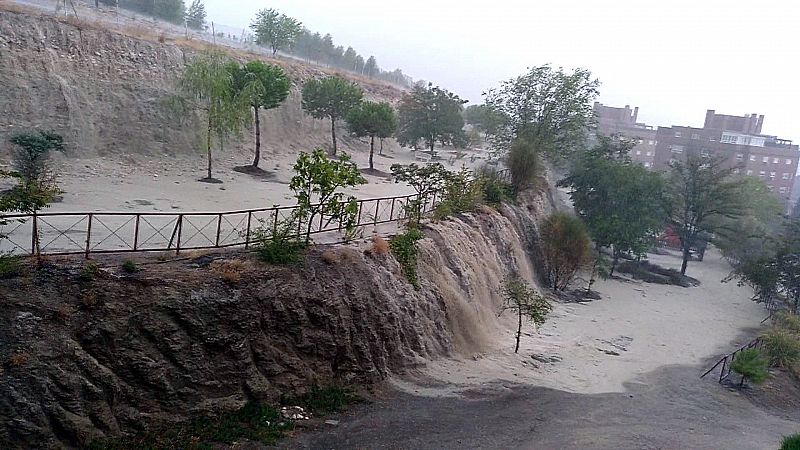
(404, 249)
(371, 67)
(316, 187)
(549, 107)
(265, 87)
(206, 84)
(751, 366)
(430, 114)
(565, 245)
(620, 201)
(332, 98)
(29, 158)
(425, 180)
(196, 15)
(700, 191)
(484, 118)
(277, 30)
(526, 302)
(373, 120)
(170, 10)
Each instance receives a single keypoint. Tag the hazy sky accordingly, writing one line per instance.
(674, 59)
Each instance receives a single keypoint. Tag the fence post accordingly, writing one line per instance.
(136, 233)
(88, 235)
(34, 234)
(377, 211)
(219, 229)
(360, 207)
(179, 227)
(247, 234)
(391, 211)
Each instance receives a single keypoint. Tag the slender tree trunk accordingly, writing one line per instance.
(685, 258)
(614, 262)
(519, 330)
(257, 157)
(432, 144)
(208, 148)
(333, 134)
(380, 152)
(371, 151)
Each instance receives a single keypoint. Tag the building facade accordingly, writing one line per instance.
(739, 141)
(623, 121)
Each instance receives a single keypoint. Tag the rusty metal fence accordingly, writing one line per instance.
(725, 361)
(64, 233)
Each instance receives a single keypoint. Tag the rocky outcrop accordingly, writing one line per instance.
(88, 356)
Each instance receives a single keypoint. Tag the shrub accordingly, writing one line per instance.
(524, 164)
(404, 248)
(751, 366)
(229, 271)
(782, 347)
(460, 194)
(279, 245)
(788, 322)
(10, 266)
(18, 359)
(565, 246)
(495, 189)
(89, 272)
(129, 266)
(325, 400)
(791, 442)
(330, 257)
(379, 246)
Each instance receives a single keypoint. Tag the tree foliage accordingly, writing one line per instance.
(276, 30)
(430, 114)
(316, 186)
(700, 192)
(620, 201)
(751, 366)
(565, 246)
(196, 15)
(425, 180)
(371, 119)
(263, 86)
(550, 108)
(330, 97)
(484, 118)
(206, 84)
(169, 10)
(520, 298)
(524, 163)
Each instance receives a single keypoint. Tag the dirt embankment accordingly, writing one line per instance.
(105, 91)
(87, 356)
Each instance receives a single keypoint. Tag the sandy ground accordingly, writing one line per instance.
(636, 328)
(618, 373)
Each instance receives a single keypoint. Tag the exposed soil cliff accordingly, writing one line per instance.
(105, 91)
(86, 356)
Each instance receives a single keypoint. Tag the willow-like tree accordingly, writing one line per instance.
(371, 119)
(332, 98)
(206, 84)
(430, 114)
(264, 86)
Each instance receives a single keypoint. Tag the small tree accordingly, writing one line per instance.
(425, 180)
(316, 187)
(484, 118)
(430, 114)
(196, 15)
(373, 120)
(332, 98)
(526, 302)
(207, 85)
(751, 366)
(700, 191)
(274, 29)
(565, 245)
(524, 164)
(264, 86)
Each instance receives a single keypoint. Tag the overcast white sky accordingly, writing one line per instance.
(674, 59)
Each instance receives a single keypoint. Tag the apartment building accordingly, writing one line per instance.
(623, 121)
(739, 140)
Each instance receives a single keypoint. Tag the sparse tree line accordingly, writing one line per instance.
(174, 11)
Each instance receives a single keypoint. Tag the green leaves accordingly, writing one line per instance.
(196, 15)
(372, 119)
(274, 29)
(750, 365)
(430, 114)
(330, 97)
(266, 86)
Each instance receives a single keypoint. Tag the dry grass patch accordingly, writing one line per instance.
(379, 246)
(18, 359)
(229, 271)
(330, 256)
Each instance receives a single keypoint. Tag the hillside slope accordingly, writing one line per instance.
(104, 90)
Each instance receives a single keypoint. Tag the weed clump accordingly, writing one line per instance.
(279, 244)
(379, 246)
(89, 272)
(10, 266)
(404, 248)
(791, 442)
(129, 266)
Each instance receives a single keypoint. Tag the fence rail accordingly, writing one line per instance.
(726, 360)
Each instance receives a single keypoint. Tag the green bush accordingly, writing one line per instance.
(404, 249)
(524, 164)
(10, 266)
(89, 272)
(791, 442)
(788, 322)
(280, 244)
(461, 193)
(782, 347)
(496, 190)
(565, 246)
(751, 366)
(129, 266)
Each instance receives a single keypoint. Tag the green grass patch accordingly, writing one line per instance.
(10, 266)
(325, 400)
(791, 442)
(404, 249)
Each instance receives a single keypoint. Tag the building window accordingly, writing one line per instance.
(729, 139)
(740, 157)
(704, 153)
(651, 142)
(677, 134)
(788, 162)
(765, 159)
(772, 175)
(695, 136)
(776, 161)
(676, 148)
(762, 174)
(752, 157)
(783, 190)
(638, 153)
(749, 172)
(771, 188)
(649, 153)
(647, 164)
(787, 176)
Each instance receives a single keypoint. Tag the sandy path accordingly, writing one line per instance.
(597, 347)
